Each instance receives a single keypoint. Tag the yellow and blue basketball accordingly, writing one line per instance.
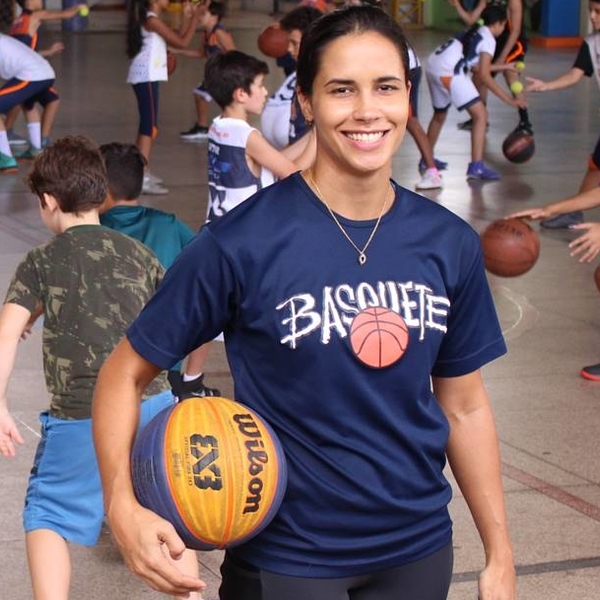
(213, 468)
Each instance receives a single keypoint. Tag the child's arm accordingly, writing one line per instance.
(583, 201)
(302, 151)
(56, 15)
(469, 17)
(225, 40)
(173, 38)
(262, 153)
(187, 52)
(52, 50)
(485, 74)
(568, 79)
(13, 320)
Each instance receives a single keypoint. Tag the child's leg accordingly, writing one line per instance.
(188, 564)
(201, 111)
(418, 134)
(144, 144)
(49, 564)
(34, 129)
(435, 127)
(48, 116)
(478, 113)
(11, 117)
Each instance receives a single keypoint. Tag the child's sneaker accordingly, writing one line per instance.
(478, 170)
(440, 165)
(197, 389)
(8, 164)
(45, 141)
(153, 188)
(196, 132)
(14, 139)
(431, 180)
(29, 154)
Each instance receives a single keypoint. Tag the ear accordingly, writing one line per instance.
(240, 95)
(305, 106)
(51, 202)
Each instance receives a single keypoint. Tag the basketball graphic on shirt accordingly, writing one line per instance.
(378, 336)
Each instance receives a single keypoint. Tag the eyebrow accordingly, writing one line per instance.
(383, 79)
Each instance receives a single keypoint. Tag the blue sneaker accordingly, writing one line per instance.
(14, 139)
(29, 154)
(563, 221)
(440, 165)
(478, 170)
(8, 164)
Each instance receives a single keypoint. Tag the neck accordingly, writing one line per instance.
(68, 220)
(235, 111)
(358, 197)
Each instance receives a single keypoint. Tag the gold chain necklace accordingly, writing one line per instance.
(362, 257)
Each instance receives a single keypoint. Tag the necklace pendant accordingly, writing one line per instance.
(362, 259)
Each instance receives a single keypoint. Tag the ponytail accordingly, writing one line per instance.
(137, 13)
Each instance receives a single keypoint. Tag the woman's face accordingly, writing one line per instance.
(359, 103)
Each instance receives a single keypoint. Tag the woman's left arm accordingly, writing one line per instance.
(474, 456)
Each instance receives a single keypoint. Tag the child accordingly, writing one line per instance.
(28, 77)
(89, 283)
(147, 39)
(25, 29)
(162, 232)
(429, 167)
(586, 64)
(216, 39)
(240, 160)
(586, 247)
(275, 120)
(511, 46)
(449, 80)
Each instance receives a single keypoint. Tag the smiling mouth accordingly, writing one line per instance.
(365, 137)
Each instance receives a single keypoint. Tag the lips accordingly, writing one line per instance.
(365, 137)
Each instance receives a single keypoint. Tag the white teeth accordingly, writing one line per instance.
(366, 137)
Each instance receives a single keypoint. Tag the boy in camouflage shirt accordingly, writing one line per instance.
(89, 282)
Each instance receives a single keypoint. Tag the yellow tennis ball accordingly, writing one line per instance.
(516, 87)
(84, 11)
(520, 65)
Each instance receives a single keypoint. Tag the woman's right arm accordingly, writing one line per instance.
(172, 37)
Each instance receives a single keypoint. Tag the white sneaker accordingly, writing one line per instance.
(431, 180)
(152, 188)
(154, 178)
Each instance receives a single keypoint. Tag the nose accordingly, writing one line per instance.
(366, 107)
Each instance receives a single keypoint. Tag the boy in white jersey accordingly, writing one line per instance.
(240, 160)
(26, 75)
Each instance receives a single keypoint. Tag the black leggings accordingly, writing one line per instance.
(425, 579)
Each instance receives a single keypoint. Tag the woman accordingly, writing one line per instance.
(283, 275)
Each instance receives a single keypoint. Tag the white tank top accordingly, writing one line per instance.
(150, 63)
(19, 61)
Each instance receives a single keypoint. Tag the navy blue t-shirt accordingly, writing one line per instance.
(365, 447)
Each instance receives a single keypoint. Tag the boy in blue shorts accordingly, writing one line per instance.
(27, 77)
(89, 283)
(162, 232)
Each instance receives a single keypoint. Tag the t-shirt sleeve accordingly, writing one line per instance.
(474, 336)
(487, 43)
(584, 60)
(192, 305)
(24, 289)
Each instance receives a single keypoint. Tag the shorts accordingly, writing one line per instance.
(202, 92)
(15, 92)
(426, 579)
(275, 123)
(44, 98)
(517, 52)
(457, 89)
(146, 95)
(414, 76)
(64, 492)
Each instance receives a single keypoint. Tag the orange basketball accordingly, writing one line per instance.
(273, 41)
(378, 336)
(510, 247)
(211, 467)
